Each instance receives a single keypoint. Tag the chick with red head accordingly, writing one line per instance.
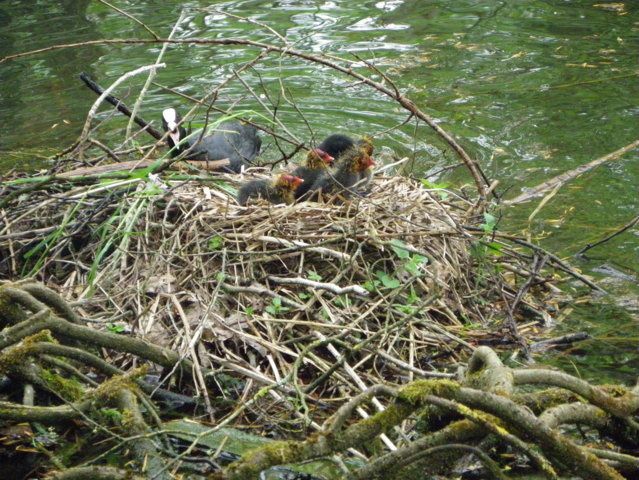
(317, 162)
(279, 190)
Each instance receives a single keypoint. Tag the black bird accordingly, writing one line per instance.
(234, 140)
(317, 161)
(351, 167)
(336, 144)
(278, 190)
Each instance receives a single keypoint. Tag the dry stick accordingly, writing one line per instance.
(149, 78)
(331, 287)
(565, 177)
(556, 261)
(95, 473)
(492, 467)
(113, 86)
(125, 167)
(121, 106)
(254, 22)
(493, 427)
(512, 325)
(627, 226)
(404, 101)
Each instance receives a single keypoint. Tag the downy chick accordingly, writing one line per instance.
(276, 191)
(365, 177)
(317, 162)
(349, 169)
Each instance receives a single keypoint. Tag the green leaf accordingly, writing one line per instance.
(387, 280)
(399, 248)
(276, 307)
(215, 243)
(489, 223)
(249, 311)
(434, 186)
(412, 296)
(313, 275)
(495, 249)
(415, 262)
(407, 309)
(371, 285)
(115, 328)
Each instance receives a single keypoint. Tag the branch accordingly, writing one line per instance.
(331, 287)
(565, 177)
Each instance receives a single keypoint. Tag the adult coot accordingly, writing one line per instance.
(233, 140)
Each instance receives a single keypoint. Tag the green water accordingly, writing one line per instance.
(530, 88)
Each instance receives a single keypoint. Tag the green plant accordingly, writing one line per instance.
(313, 275)
(438, 187)
(114, 328)
(215, 243)
(275, 308)
(386, 280)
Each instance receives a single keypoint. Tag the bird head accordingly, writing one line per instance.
(171, 124)
(366, 143)
(363, 161)
(289, 182)
(318, 158)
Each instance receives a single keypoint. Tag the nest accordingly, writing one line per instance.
(324, 298)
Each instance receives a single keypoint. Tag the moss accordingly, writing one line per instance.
(542, 400)
(10, 311)
(109, 390)
(67, 388)
(18, 354)
(275, 453)
(416, 392)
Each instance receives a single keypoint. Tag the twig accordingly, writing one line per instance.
(128, 15)
(566, 177)
(627, 226)
(149, 78)
(331, 287)
(122, 108)
(472, 166)
(114, 85)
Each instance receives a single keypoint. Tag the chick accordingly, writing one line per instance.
(349, 169)
(336, 144)
(317, 162)
(276, 191)
(365, 177)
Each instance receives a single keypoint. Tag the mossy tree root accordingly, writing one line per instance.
(487, 409)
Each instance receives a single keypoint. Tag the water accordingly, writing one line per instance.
(530, 88)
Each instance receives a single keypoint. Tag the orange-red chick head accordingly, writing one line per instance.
(318, 158)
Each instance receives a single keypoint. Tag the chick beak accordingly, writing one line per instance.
(329, 159)
(297, 181)
(370, 162)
